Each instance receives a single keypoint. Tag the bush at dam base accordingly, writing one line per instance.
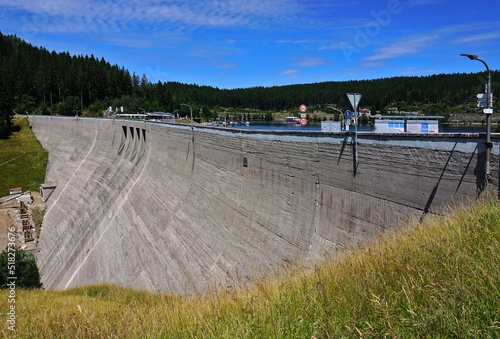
(17, 265)
(435, 279)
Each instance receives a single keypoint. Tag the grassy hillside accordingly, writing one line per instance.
(436, 279)
(23, 161)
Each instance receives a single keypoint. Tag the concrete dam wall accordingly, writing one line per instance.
(163, 207)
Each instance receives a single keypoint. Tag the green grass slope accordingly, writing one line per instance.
(23, 161)
(437, 279)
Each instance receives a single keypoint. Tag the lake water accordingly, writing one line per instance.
(281, 126)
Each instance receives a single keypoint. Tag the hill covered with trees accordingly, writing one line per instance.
(35, 80)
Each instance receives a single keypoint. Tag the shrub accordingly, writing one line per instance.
(25, 269)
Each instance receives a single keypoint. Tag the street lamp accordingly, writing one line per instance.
(341, 114)
(488, 112)
(225, 110)
(191, 114)
(143, 112)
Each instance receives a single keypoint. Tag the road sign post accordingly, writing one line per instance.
(482, 100)
(354, 98)
(347, 116)
(303, 122)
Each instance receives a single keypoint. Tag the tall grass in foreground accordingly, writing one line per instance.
(436, 279)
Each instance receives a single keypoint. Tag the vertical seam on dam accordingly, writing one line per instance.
(69, 181)
(119, 209)
(79, 165)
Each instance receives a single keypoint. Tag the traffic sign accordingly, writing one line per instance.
(482, 100)
(303, 115)
(348, 114)
(303, 121)
(354, 98)
(303, 108)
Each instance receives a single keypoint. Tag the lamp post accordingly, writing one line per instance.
(488, 112)
(191, 114)
(225, 110)
(341, 114)
(143, 112)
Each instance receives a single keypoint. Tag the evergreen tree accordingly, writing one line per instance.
(35, 76)
(206, 114)
(23, 268)
(6, 109)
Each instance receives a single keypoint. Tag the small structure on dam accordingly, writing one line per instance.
(161, 207)
(46, 190)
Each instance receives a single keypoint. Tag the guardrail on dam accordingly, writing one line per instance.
(159, 207)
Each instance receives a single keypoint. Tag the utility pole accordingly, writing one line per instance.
(488, 111)
(354, 98)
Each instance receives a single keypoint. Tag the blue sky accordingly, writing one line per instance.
(246, 43)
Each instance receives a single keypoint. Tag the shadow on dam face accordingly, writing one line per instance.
(136, 206)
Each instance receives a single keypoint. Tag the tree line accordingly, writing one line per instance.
(35, 80)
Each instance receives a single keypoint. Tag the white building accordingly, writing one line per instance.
(409, 124)
(422, 126)
(389, 126)
(330, 126)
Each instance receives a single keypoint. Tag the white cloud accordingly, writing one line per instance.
(290, 73)
(403, 47)
(374, 64)
(289, 41)
(80, 16)
(311, 62)
(337, 45)
(479, 38)
(421, 2)
(444, 36)
(416, 71)
(226, 65)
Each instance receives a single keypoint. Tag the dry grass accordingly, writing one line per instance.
(436, 279)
